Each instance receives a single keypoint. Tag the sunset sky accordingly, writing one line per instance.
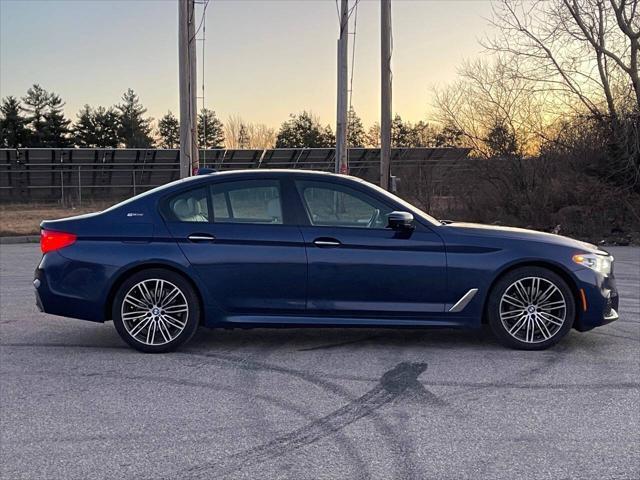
(264, 59)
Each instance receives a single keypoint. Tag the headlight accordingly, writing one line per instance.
(601, 263)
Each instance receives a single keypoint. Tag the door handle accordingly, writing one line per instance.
(326, 242)
(199, 237)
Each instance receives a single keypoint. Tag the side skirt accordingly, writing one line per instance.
(270, 321)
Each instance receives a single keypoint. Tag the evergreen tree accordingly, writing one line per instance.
(13, 126)
(107, 122)
(304, 131)
(55, 129)
(356, 136)
(373, 136)
(84, 130)
(210, 130)
(501, 141)
(134, 130)
(424, 134)
(36, 104)
(243, 136)
(328, 137)
(402, 133)
(449, 136)
(169, 131)
(96, 128)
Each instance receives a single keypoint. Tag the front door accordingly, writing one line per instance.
(237, 237)
(359, 267)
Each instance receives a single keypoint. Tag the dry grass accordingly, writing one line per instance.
(24, 219)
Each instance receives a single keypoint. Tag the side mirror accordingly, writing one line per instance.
(400, 221)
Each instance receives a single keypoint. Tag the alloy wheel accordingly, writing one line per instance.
(533, 310)
(154, 311)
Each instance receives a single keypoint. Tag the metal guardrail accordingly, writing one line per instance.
(73, 174)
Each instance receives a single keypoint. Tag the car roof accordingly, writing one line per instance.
(268, 172)
(196, 180)
(279, 171)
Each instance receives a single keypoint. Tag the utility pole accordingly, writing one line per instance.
(385, 90)
(342, 165)
(189, 161)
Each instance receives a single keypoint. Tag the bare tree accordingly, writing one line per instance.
(584, 55)
(232, 128)
(585, 51)
(260, 136)
(240, 134)
(491, 94)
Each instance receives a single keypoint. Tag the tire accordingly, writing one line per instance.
(530, 308)
(156, 311)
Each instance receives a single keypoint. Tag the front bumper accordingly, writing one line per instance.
(601, 301)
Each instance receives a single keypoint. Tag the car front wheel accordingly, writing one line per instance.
(531, 308)
(156, 311)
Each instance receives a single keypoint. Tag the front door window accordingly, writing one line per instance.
(330, 205)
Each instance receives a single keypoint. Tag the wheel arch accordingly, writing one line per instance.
(554, 267)
(133, 269)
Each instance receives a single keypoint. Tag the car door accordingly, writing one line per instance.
(359, 267)
(238, 237)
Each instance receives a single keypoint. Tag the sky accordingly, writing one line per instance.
(263, 59)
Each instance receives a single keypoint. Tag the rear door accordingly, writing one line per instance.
(238, 236)
(359, 267)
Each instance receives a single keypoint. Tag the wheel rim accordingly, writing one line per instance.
(533, 309)
(154, 312)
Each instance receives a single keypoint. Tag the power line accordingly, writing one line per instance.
(202, 27)
(353, 52)
(204, 11)
(350, 11)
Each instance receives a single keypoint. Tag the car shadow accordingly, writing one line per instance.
(306, 340)
(317, 338)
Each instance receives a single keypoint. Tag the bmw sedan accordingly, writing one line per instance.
(285, 248)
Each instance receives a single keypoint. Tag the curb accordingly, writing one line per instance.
(21, 239)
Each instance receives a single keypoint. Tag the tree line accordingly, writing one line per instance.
(38, 120)
(560, 79)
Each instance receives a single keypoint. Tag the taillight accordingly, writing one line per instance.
(51, 241)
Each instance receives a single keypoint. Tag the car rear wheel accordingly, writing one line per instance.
(531, 308)
(156, 311)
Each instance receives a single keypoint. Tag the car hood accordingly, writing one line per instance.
(519, 234)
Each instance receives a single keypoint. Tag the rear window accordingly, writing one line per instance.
(191, 206)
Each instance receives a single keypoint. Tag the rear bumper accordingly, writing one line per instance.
(70, 288)
(602, 301)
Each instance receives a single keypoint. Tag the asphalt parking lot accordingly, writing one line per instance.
(76, 403)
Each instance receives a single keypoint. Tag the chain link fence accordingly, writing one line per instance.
(74, 176)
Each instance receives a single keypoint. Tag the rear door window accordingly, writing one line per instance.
(251, 201)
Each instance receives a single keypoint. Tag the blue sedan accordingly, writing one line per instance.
(284, 248)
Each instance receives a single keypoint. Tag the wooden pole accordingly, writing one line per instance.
(343, 74)
(385, 90)
(187, 73)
